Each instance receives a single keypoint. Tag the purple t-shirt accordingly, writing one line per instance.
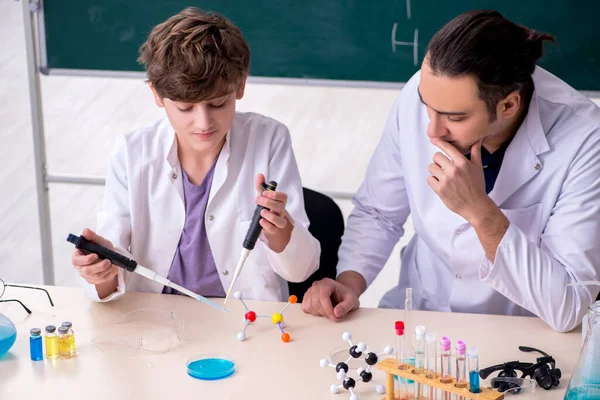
(193, 266)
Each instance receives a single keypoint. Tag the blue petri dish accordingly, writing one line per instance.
(210, 368)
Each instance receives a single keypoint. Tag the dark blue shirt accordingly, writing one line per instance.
(491, 165)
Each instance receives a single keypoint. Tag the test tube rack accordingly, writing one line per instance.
(391, 367)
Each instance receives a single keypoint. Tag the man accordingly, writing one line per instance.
(498, 162)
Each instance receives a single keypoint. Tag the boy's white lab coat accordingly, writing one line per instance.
(548, 187)
(143, 213)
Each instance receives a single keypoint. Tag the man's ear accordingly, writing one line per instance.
(157, 99)
(508, 107)
(240, 91)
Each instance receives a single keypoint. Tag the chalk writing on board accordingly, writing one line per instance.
(407, 9)
(414, 44)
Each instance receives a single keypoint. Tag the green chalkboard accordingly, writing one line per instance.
(348, 40)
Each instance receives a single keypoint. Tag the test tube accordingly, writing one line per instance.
(51, 342)
(400, 344)
(445, 352)
(473, 356)
(35, 344)
(72, 335)
(431, 339)
(419, 358)
(409, 349)
(408, 315)
(461, 366)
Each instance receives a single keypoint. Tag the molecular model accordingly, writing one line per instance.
(276, 318)
(365, 375)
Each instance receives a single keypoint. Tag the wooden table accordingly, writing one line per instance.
(266, 367)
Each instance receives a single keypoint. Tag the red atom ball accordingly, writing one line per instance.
(251, 316)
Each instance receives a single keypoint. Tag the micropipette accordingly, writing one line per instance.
(250, 240)
(130, 265)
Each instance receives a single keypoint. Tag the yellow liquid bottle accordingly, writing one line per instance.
(64, 343)
(72, 334)
(51, 342)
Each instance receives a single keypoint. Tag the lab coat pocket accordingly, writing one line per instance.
(527, 219)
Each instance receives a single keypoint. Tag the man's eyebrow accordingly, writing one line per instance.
(451, 113)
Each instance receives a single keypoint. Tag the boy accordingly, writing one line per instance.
(179, 193)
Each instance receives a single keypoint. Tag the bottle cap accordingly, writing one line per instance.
(430, 337)
(420, 331)
(35, 331)
(63, 329)
(446, 343)
(399, 326)
(50, 328)
(461, 346)
(67, 324)
(473, 351)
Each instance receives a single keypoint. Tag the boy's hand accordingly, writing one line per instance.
(90, 266)
(276, 227)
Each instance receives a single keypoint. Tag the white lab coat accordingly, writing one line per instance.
(143, 213)
(548, 187)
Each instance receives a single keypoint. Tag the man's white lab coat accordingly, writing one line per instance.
(548, 187)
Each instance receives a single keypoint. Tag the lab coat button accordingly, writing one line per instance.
(211, 217)
(538, 166)
(174, 175)
(225, 272)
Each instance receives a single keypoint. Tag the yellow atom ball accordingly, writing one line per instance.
(276, 318)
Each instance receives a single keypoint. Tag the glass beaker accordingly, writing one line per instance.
(8, 334)
(585, 380)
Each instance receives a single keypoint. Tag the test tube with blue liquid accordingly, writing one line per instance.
(473, 361)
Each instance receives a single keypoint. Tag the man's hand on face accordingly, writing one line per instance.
(458, 181)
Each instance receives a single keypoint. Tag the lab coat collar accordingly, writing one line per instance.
(174, 170)
(171, 148)
(521, 162)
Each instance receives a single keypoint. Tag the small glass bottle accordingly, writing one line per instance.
(51, 342)
(64, 343)
(473, 357)
(72, 333)
(35, 344)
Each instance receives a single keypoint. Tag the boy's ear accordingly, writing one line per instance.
(240, 92)
(157, 99)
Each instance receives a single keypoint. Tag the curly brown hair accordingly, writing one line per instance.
(195, 56)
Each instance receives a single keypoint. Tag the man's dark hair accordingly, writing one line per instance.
(500, 54)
